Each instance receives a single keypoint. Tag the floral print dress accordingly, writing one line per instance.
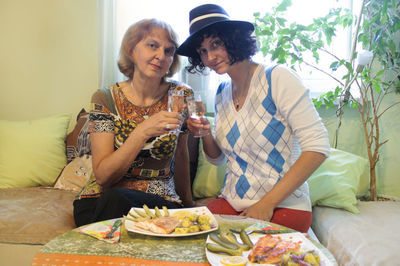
(151, 171)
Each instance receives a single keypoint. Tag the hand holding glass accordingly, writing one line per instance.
(196, 111)
(176, 103)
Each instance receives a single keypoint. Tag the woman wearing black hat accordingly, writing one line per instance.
(261, 115)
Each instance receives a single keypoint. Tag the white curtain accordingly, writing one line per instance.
(108, 53)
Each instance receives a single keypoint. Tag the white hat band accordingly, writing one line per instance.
(207, 16)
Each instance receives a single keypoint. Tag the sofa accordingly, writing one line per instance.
(42, 168)
(355, 231)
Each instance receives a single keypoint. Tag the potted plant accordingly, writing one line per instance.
(373, 68)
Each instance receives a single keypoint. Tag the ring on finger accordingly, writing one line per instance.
(167, 126)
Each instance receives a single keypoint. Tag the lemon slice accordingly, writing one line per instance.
(234, 261)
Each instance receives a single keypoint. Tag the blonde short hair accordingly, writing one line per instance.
(134, 35)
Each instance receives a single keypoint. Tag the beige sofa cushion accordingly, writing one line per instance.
(371, 237)
(35, 215)
(76, 174)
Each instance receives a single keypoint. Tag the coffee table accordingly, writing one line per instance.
(74, 248)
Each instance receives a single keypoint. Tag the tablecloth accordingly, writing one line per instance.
(73, 248)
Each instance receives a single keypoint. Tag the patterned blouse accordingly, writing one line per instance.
(151, 171)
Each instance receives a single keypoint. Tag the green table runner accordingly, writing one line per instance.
(188, 249)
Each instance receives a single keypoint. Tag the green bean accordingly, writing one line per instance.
(220, 241)
(157, 211)
(133, 214)
(217, 248)
(166, 212)
(138, 219)
(232, 238)
(129, 218)
(142, 213)
(148, 212)
(245, 238)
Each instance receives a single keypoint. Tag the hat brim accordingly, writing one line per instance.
(187, 49)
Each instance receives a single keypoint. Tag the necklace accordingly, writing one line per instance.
(145, 108)
(237, 98)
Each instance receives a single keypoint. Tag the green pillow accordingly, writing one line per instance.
(209, 178)
(335, 182)
(32, 152)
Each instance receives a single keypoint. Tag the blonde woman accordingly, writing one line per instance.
(132, 145)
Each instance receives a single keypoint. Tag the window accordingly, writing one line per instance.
(122, 13)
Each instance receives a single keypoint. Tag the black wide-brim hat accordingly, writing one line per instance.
(204, 16)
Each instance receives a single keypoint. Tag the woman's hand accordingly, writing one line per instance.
(195, 125)
(159, 124)
(259, 211)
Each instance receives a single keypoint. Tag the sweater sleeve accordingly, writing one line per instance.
(295, 105)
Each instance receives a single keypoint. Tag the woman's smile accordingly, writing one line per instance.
(154, 66)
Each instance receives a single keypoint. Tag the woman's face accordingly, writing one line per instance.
(214, 55)
(153, 55)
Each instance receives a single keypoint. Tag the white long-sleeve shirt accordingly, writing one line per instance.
(260, 140)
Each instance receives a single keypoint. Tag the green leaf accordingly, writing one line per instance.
(316, 56)
(283, 31)
(349, 66)
(380, 73)
(334, 66)
(284, 5)
(377, 87)
(305, 43)
(317, 103)
(266, 32)
(281, 21)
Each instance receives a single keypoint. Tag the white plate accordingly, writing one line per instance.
(130, 225)
(306, 245)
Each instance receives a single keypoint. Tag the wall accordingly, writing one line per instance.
(48, 57)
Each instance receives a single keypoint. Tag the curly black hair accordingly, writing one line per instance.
(240, 45)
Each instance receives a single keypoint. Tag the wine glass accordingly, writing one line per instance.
(176, 103)
(197, 110)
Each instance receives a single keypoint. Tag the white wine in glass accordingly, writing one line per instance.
(197, 111)
(176, 103)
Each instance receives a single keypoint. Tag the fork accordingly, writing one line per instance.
(114, 228)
